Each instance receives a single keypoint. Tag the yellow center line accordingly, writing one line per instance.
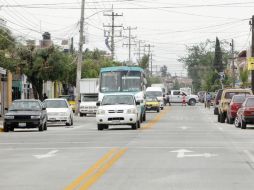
(102, 170)
(91, 170)
(157, 118)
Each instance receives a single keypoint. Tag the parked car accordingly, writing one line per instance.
(152, 104)
(118, 109)
(245, 114)
(201, 96)
(217, 101)
(226, 97)
(234, 105)
(59, 110)
(25, 114)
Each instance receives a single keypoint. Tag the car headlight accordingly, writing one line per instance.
(9, 117)
(100, 112)
(35, 117)
(132, 111)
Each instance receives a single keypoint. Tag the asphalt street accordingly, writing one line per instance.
(181, 148)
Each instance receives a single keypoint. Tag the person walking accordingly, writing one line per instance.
(208, 100)
(183, 99)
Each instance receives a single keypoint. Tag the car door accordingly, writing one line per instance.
(177, 97)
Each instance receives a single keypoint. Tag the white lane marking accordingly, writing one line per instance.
(251, 157)
(47, 155)
(181, 154)
(184, 127)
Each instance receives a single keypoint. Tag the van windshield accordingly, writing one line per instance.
(152, 94)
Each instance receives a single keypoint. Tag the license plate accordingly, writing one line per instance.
(22, 124)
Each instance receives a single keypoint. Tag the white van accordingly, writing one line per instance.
(155, 92)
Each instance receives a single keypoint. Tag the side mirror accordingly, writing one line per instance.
(98, 103)
(137, 103)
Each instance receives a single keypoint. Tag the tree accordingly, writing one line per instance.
(164, 70)
(217, 62)
(244, 74)
(144, 62)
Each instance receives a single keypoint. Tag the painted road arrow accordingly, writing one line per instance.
(181, 154)
(47, 155)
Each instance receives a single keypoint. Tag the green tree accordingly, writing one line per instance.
(244, 75)
(217, 62)
(144, 62)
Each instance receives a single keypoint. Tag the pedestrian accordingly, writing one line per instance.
(208, 100)
(183, 99)
(45, 96)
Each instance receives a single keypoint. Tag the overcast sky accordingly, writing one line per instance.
(168, 25)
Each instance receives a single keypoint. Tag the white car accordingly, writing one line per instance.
(118, 109)
(59, 110)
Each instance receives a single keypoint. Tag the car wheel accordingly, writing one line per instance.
(12, 129)
(81, 114)
(105, 127)
(100, 127)
(237, 123)
(144, 117)
(85, 114)
(40, 128)
(45, 128)
(139, 125)
(243, 124)
(6, 128)
(192, 102)
(134, 126)
(68, 123)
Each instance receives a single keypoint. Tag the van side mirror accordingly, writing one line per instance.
(98, 103)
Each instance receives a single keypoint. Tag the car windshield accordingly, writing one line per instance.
(25, 105)
(250, 102)
(229, 95)
(153, 94)
(56, 104)
(117, 99)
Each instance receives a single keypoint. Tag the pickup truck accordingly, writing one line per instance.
(176, 96)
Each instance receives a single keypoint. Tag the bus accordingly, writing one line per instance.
(124, 79)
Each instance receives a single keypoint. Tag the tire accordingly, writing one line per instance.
(237, 123)
(40, 128)
(81, 114)
(85, 114)
(243, 124)
(6, 128)
(105, 126)
(100, 127)
(12, 129)
(192, 102)
(45, 128)
(139, 125)
(69, 123)
(144, 117)
(134, 126)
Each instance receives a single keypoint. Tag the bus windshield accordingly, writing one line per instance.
(121, 81)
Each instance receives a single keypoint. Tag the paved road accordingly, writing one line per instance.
(182, 148)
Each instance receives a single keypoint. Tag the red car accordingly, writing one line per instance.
(245, 114)
(234, 105)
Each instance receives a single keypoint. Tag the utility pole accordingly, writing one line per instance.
(130, 38)
(112, 35)
(151, 64)
(149, 56)
(80, 51)
(252, 52)
(233, 63)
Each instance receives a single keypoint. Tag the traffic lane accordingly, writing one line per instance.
(208, 162)
(23, 170)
